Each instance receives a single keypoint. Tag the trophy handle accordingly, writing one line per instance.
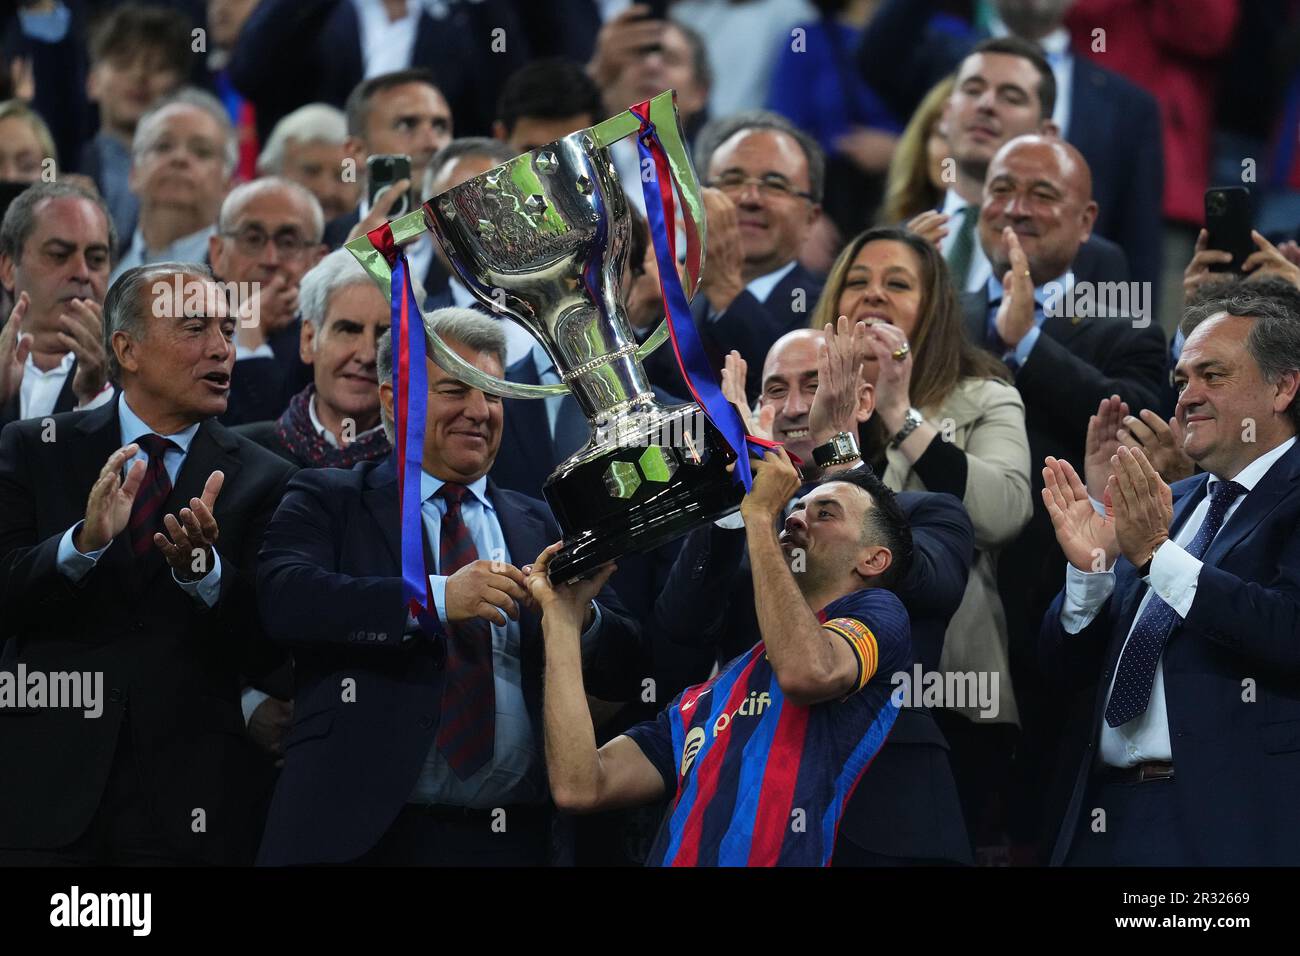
(668, 126)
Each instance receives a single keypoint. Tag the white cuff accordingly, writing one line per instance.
(731, 522)
(1085, 593)
(207, 588)
(1173, 577)
(250, 700)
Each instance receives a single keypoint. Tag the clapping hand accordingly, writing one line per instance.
(191, 537)
(1087, 538)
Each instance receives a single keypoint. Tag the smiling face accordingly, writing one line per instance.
(883, 285)
(789, 385)
(995, 99)
(342, 353)
(462, 430)
(1042, 189)
(774, 222)
(182, 362)
(66, 257)
(1224, 399)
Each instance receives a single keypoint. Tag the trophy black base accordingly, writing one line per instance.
(634, 497)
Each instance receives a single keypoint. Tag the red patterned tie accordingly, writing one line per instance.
(467, 727)
(147, 511)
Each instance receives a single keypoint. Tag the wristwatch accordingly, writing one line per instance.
(911, 422)
(1146, 566)
(840, 450)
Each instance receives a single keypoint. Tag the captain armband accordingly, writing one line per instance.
(863, 644)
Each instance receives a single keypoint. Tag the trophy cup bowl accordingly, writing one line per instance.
(542, 239)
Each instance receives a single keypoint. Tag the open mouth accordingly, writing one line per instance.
(794, 434)
(218, 380)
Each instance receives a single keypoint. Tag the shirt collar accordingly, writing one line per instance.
(191, 248)
(954, 205)
(542, 360)
(1251, 475)
(429, 486)
(324, 432)
(1064, 284)
(64, 366)
(134, 427)
(762, 287)
(461, 297)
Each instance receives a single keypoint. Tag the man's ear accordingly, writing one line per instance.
(386, 399)
(1288, 384)
(124, 347)
(216, 254)
(356, 148)
(866, 401)
(1088, 218)
(874, 561)
(306, 342)
(7, 267)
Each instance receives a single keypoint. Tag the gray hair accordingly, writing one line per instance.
(146, 132)
(1273, 340)
(717, 132)
(313, 123)
(20, 219)
(243, 194)
(464, 326)
(124, 308)
(337, 270)
(493, 149)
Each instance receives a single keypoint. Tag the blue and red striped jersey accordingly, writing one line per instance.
(758, 780)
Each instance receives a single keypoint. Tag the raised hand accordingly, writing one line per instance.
(83, 334)
(1087, 538)
(1161, 442)
(1102, 443)
(14, 349)
(1198, 271)
(930, 225)
(1144, 505)
(1016, 313)
(193, 535)
(722, 280)
(734, 371)
(565, 603)
(1269, 261)
(620, 42)
(775, 482)
(840, 358)
(385, 201)
(108, 508)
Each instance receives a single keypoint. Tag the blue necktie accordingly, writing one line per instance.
(1137, 664)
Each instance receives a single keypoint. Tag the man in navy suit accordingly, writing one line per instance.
(765, 179)
(416, 741)
(1180, 617)
(1114, 123)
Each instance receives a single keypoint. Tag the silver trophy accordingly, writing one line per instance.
(542, 239)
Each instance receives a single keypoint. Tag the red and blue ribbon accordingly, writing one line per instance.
(691, 356)
(411, 395)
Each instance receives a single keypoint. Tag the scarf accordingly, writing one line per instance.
(299, 436)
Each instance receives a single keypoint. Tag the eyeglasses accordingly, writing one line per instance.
(771, 185)
(251, 240)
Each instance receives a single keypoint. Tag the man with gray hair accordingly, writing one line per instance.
(764, 179)
(130, 536)
(182, 159)
(1181, 609)
(334, 421)
(268, 236)
(309, 146)
(55, 244)
(442, 739)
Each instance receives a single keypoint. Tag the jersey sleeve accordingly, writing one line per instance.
(655, 738)
(875, 625)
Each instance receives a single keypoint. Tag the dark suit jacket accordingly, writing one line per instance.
(260, 388)
(175, 664)
(748, 326)
(293, 52)
(66, 402)
(1237, 796)
(1074, 365)
(906, 804)
(329, 585)
(1114, 123)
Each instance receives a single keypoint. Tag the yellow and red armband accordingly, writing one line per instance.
(863, 644)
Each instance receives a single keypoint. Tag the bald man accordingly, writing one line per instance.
(1036, 214)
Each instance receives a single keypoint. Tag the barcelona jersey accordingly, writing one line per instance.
(761, 781)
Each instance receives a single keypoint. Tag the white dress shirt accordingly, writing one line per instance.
(980, 270)
(1173, 577)
(39, 392)
(386, 45)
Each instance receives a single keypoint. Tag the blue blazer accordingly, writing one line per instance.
(329, 586)
(1237, 798)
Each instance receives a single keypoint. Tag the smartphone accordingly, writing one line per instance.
(384, 169)
(1227, 221)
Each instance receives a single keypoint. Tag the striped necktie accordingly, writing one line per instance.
(1136, 672)
(147, 510)
(467, 726)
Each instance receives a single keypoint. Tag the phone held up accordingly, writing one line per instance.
(1227, 224)
(384, 169)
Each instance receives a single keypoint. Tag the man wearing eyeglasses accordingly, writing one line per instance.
(268, 236)
(765, 178)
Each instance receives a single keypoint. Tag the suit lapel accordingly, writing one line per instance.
(528, 421)
(975, 311)
(380, 499)
(524, 532)
(1262, 499)
(67, 400)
